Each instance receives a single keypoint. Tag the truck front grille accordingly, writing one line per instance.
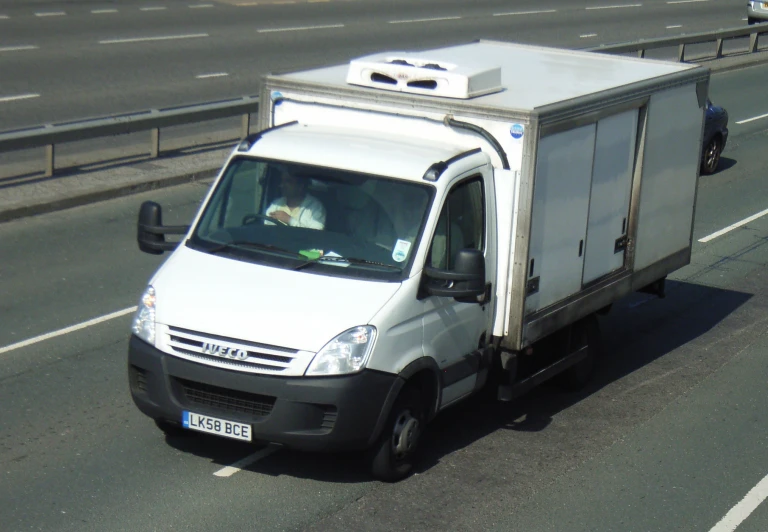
(225, 400)
(231, 353)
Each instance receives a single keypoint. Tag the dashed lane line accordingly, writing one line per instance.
(516, 13)
(148, 39)
(17, 48)
(214, 75)
(434, 19)
(66, 330)
(300, 28)
(618, 6)
(731, 227)
(248, 460)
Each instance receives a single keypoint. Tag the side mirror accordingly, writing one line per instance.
(151, 232)
(464, 283)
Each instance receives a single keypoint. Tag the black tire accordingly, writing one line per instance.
(396, 451)
(172, 430)
(751, 21)
(710, 156)
(584, 333)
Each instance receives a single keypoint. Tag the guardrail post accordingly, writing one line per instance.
(49, 160)
(154, 149)
(681, 53)
(719, 49)
(753, 42)
(246, 128)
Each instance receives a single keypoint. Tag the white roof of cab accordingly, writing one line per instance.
(367, 152)
(531, 76)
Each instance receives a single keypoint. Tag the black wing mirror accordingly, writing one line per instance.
(464, 283)
(151, 232)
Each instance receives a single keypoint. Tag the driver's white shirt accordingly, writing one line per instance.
(310, 214)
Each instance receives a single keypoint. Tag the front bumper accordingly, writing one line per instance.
(309, 413)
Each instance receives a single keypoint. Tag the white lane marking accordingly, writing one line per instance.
(248, 460)
(730, 228)
(200, 6)
(588, 35)
(674, 26)
(18, 48)
(685, 1)
(244, 4)
(162, 38)
(524, 13)
(435, 19)
(67, 330)
(51, 14)
(14, 98)
(620, 6)
(301, 28)
(746, 120)
(100, 11)
(215, 75)
(746, 506)
(152, 8)
(4, 17)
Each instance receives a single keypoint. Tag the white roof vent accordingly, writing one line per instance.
(403, 72)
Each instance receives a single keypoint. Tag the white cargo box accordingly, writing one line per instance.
(597, 158)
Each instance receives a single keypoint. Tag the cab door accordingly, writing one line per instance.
(453, 330)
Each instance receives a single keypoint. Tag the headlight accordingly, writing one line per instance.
(144, 320)
(347, 353)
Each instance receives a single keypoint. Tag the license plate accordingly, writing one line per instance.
(212, 425)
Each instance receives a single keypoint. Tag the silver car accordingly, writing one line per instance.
(757, 12)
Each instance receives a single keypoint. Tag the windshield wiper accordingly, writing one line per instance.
(256, 245)
(348, 260)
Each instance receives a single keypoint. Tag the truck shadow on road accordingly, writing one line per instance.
(673, 332)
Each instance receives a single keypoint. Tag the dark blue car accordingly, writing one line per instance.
(715, 137)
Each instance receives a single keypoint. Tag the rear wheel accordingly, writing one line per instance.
(585, 333)
(395, 452)
(711, 155)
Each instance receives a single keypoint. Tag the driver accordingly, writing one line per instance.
(296, 208)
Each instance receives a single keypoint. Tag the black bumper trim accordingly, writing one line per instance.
(309, 413)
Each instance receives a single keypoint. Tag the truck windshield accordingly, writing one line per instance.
(314, 218)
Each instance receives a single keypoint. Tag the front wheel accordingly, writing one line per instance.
(395, 452)
(711, 156)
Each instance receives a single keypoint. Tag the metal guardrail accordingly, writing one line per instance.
(717, 37)
(152, 120)
(50, 135)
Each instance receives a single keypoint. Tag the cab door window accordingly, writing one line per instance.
(461, 224)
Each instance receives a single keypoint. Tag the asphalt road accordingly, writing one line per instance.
(69, 60)
(670, 436)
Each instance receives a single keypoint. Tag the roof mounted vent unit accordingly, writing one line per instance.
(403, 72)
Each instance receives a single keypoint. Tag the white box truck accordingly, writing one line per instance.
(407, 229)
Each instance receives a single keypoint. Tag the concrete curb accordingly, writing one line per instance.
(95, 194)
(81, 198)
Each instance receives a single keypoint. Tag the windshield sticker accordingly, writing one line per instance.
(516, 131)
(311, 254)
(401, 250)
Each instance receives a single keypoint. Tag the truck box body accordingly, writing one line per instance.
(408, 227)
(602, 153)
